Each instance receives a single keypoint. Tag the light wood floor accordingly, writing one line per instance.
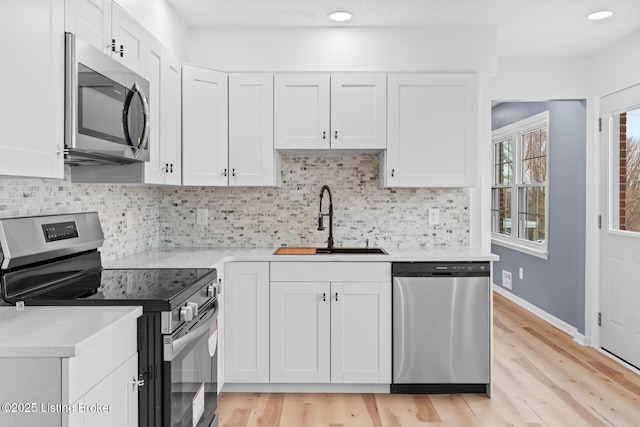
(541, 378)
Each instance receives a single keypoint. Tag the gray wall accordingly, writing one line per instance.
(557, 284)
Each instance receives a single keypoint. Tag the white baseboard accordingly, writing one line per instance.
(552, 320)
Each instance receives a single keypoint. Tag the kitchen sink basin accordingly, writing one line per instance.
(332, 251)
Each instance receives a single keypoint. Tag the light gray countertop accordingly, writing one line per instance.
(59, 331)
(210, 257)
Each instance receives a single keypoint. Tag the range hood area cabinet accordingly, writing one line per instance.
(330, 111)
(32, 89)
(432, 131)
(107, 27)
(227, 128)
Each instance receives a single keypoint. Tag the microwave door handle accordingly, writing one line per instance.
(144, 139)
(173, 348)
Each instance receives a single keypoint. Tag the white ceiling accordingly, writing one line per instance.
(525, 27)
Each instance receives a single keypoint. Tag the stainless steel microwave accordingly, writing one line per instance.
(106, 108)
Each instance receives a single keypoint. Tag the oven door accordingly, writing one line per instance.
(190, 380)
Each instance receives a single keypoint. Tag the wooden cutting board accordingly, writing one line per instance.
(296, 251)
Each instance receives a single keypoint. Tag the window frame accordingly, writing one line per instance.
(514, 133)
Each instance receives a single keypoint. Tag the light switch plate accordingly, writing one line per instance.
(201, 216)
(434, 216)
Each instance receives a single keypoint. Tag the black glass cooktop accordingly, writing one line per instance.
(160, 289)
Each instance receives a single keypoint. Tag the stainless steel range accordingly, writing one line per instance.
(54, 260)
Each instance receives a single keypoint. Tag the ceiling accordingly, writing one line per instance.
(525, 27)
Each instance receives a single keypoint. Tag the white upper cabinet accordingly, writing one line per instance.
(107, 27)
(32, 87)
(204, 127)
(252, 158)
(90, 20)
(338, 111)
(302, 111)
(432, 131)
(164, 72)
(359, 111)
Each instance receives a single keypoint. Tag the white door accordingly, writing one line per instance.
(90, 20)
(360, 332)
(251, 152)
(32, 88)
(620, 235)
(131, 39)
(300, 332)
(204, 127)
(301, 111)
(359, 111)
(432, 128)
(171, 126)
(246, 340)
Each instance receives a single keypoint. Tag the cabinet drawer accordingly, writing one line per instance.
(330, 271)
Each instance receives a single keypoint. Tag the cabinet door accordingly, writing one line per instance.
(361, 332)
(432, 121)
(90, 20)
(300, 332)
(251, 152)
(171, 113)
(32, 87)
(358, 111)
(154, 171)
(246, 322)
(204, 127)
(114, 400)
(131, 39)
(301, 111)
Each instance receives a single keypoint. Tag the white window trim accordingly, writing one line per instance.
(514, 132)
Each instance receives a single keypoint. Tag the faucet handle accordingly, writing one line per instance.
(320, 222)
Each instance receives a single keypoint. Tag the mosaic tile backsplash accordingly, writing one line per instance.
(137, 218)
(26, 197)
(287, 215)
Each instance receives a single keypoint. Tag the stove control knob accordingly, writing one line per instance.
(212, 291)
(186, 314)
(194, 307)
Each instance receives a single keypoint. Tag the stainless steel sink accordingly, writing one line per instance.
(330, 251)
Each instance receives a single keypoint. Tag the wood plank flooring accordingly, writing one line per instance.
(541, 378)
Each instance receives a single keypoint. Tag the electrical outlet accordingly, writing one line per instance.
(201, 216)
(434, 216)
(506, 279)
(130, 219)
(521, 273)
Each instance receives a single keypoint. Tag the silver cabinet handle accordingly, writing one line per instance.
(138, 382)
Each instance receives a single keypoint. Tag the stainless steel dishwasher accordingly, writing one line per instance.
(441, 327)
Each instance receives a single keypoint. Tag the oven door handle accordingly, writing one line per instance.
(172, 348)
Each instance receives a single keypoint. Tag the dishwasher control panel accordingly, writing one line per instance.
(426, 269)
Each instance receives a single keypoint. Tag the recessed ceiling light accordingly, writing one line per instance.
(340, 16)
(601, 14)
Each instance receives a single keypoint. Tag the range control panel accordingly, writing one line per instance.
(60, 231)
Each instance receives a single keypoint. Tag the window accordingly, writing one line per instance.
(519, 214)
(626, 175)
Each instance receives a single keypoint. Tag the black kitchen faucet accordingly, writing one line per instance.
(330, 214)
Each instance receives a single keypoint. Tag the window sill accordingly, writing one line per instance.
(540, 253)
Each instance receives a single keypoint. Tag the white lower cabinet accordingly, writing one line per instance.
(336, 328)
(246, 322)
